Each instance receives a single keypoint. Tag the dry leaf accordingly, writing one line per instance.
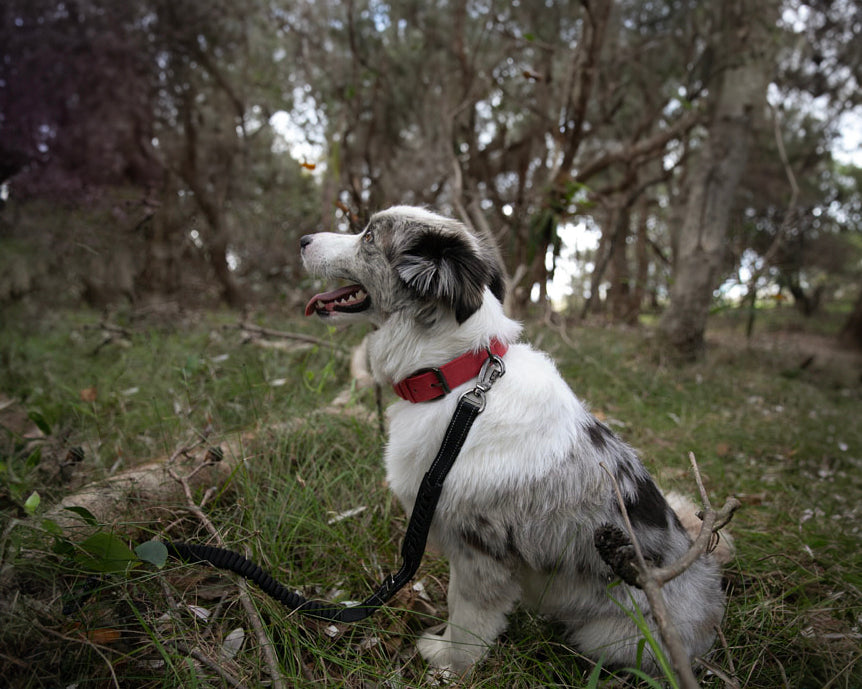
(232, 643)
(751, 498)
(104, 636)
(199, 612)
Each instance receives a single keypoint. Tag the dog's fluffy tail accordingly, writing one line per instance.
(686, 510)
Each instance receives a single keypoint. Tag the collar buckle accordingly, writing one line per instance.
(441, 379)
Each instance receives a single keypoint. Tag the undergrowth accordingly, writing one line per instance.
(310, 505)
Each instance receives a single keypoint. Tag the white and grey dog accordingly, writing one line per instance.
(525, 497)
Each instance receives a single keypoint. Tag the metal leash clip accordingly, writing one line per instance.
(491, 371)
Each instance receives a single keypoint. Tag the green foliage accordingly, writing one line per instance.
(636, 615)
(153, 552)
(31, 504)
(106, 553)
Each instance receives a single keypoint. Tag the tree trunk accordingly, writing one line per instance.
(604, 251)
(636, 297)
(217, 250)
(806, 304)
(851, 333)
(712, 184)
(620, 277)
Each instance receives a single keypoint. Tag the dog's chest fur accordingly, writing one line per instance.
(518, 458)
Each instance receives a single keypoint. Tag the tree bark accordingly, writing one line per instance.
(620, 289)
(217, 250)
(851, 333)
(712, 184)
(637, 294)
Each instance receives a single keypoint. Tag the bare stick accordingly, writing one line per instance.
(622, 503)
(215, 667)
(704, 496)
(726, 648)
(652, 589)
(651, 579)
(299, 337)
(712, 522)
(194, 653)
(244, 597)
(729, 682)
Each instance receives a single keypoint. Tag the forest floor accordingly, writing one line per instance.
(92, 413)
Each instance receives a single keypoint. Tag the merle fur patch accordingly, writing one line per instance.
(482, 537)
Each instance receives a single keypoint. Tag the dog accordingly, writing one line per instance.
(530, 488)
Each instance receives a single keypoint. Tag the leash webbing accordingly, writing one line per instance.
(469, 407)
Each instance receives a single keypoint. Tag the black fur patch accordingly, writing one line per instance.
(498, 285)
(600, 435)
(445, 268)
(647, 507)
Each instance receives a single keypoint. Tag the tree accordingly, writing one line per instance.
(744, 64)
(516, 118)
(157, 113)
(73, 80)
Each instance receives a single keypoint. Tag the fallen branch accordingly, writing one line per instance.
(280, 334)
(637, 571)
(115, 497)
(150, 483)
(263, 640)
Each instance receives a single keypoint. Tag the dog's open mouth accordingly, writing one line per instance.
(350, 299)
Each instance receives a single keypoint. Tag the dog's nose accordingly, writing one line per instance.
(305, 240)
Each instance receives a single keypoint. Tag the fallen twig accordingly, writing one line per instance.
(214, 666)
(147, 484)
(194, 653)
(651, 579)
(266, 646)
(299, 337)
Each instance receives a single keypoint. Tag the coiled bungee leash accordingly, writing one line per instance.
(470, 405)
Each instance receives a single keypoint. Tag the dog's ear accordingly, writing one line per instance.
(446, 268)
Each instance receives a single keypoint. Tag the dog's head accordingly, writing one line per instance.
(406, 259)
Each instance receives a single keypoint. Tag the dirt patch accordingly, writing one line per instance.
(799, 350)
(14, 418)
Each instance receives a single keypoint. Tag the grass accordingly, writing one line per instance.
(785, 439)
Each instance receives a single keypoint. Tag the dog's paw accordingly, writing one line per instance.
(436, 649)
(449, 660)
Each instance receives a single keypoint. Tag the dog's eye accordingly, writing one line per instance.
(368, 237)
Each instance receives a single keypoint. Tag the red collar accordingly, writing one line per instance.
(431, 383)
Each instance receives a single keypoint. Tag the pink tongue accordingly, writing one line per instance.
(329, 298)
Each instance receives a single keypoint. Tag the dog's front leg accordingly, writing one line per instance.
(481, 593)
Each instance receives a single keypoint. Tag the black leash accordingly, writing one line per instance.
(471, 404)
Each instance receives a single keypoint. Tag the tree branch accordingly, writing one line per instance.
(640, 149)
(651, 579)
(247, 327)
